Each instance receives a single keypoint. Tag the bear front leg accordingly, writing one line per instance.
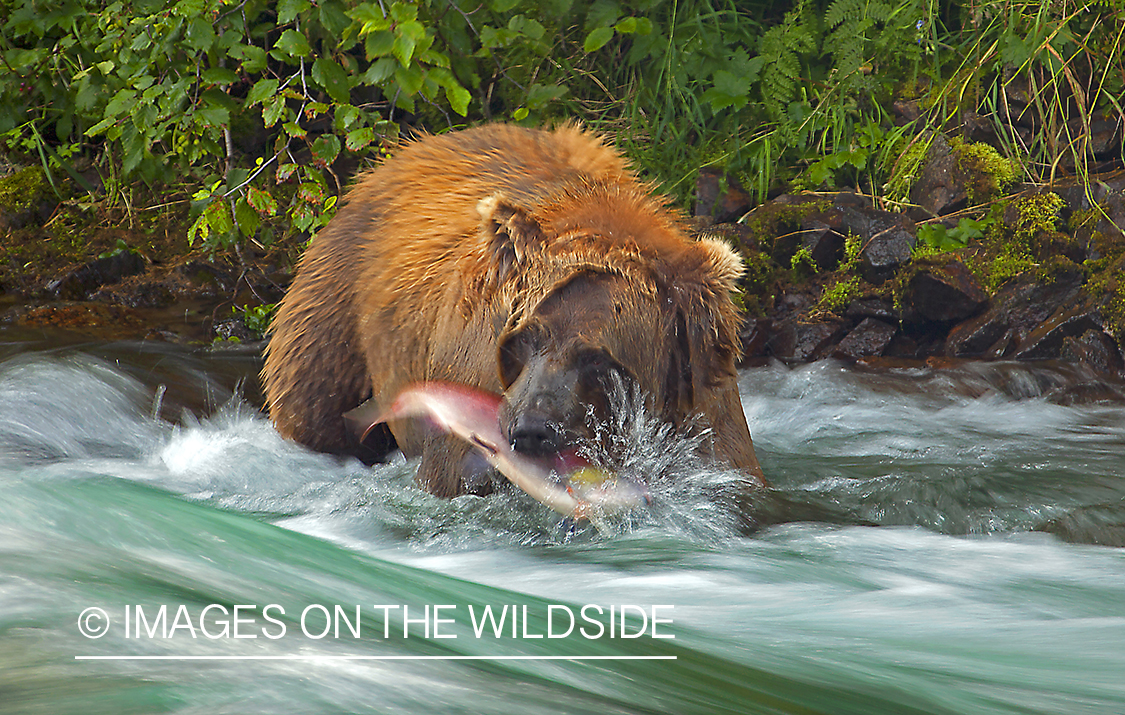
(450, 467)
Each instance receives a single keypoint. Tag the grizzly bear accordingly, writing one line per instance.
(524, 262)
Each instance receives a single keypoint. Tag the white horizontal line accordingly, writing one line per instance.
(375, 657)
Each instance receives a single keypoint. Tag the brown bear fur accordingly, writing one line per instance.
(454, 244)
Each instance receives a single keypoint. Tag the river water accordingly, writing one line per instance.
(954, 553)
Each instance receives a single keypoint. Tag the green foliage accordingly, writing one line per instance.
(936, 238)
(840, 294)
(119, 248)
(256, 319)
(1058, 63)
(260, 108)
(802, 263)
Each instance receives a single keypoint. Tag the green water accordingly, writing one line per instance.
(116, 493)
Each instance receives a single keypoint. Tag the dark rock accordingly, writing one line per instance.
(722, 200)
(233, 328)
(888, 237)
(84, 280)
(870, 338)
(824, 244)
(1019, 308)
(137, 292)
(872, 308)
(940, 188)
(887, 249)
(790, 304)
(1094, 349)
(755, 335)
(1102, 524)
(978, 129)
(104, 320)
(804, 341)
(208, 275)
(1068, 321)
(906, 111)
(946, 293)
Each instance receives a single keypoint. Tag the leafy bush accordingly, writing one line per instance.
(261, 110)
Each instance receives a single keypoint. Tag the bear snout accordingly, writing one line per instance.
(535, 434)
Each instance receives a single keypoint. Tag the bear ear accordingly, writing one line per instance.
(510, 233)
(722, 263)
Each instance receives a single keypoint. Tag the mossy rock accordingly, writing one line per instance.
(986, 173)
(774, 225)
(25, 196)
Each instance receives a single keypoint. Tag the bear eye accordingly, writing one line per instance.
(514, 353)
(595, 361)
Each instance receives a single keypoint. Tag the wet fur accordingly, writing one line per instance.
(453, 244)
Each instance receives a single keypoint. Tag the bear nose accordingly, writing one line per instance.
(534, 435)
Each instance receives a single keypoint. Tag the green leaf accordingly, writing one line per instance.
(404, 49)
(404, 12)
(253, 57)
(458, 98)
(359, 138)
(288, 10)
(188, 8)
(627, 26)
(410, 79)
(219, 75)
(247, 218)
(286, 171)
(539, 95)
(294, 129)
(311, 192)
(526, 26)
(380, 71)
(200, 34)
(273, 111)
(502, 5)
(219, 218)
(333, 18)
(213, 116)
(728, 90)
(331, 76)
(379, 44)
(262, 201)
(293, 44)
(597, 39)
(122, 102)
(134, 148)
(371, 17)
(262, 90)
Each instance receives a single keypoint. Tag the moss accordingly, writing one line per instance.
(1109, 281)
(1038, 212)
(987, 174)
(1007, 266)
(774, 224)
(853, 247)
(802, 262)
(840, 294)
(22, 190)
(759, 271)
(1083, 218)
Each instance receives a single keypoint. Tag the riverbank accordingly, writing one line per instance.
(973, 268)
